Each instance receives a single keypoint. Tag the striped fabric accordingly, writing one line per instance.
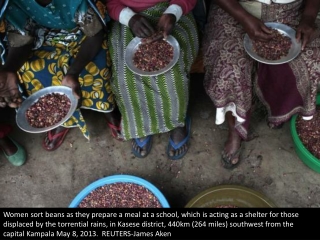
(151, 105)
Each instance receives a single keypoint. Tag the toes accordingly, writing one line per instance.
(176, 152)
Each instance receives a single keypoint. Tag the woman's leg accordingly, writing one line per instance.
(141, 147)
(178, 135)
(54, 138)
(7, 146)
(231, 151)
(113, 121)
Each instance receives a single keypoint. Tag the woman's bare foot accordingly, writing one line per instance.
(177, 135)
(178, 141)
(113, 121)
(232, 148)
(54, 138)
(141, 147)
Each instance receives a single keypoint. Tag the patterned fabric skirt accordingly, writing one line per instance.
(48, 65)
(232, 78)
(151, 105)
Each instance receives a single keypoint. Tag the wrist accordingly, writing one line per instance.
(125, 16)
(174, 9)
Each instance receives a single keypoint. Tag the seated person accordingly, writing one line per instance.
(156, 104)
(233, 79)
(59, 42)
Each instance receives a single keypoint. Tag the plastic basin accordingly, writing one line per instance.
(303, 153)
(234, 195)
(119, 179)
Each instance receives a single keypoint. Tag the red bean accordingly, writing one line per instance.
(120, 195)
(274, 49)
(48, 110)
(153, 56)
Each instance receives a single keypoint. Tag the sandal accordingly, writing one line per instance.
(146, 142)
(51, 137)
(19, 158)
(227, 161)
(175, 146)
(115, 131)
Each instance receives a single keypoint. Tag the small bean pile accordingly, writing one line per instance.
(48, 110)
(120, 195)
(274, 49)
(309, 133)
(153, 56)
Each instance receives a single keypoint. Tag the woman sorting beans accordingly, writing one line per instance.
(233, 80)
(52, 43)
(157, 104)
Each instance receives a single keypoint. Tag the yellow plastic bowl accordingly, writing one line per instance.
(234, 195)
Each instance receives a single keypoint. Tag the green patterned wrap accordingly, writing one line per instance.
(158, 104)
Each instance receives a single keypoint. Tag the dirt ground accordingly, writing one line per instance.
(52, 179)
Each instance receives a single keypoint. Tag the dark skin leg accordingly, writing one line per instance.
(8, 146)
(177, 135)
(143, 150)
(114, 117)
(233, 142)
(51, 144)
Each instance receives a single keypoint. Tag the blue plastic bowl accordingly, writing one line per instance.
(119, 179)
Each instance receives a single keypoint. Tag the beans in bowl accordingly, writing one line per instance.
(153, 56)
(274, 49)
(48, 110)
(120, 195)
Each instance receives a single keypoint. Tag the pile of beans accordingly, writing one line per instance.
(48, 110)
(274, 49)
(309, 133)
(153, 56)
(120, 195)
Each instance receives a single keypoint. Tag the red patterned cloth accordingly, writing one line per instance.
(232, 76)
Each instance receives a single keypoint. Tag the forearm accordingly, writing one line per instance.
(234, 8)
(311, 10)
(17, 56)
(90, 47)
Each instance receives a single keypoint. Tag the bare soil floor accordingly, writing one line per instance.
(52, 179)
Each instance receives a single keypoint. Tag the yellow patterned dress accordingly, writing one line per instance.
(56, 48)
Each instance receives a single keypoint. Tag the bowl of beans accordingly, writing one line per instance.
(152, 58)
(281, 48)
(230, 196)
(120, 191)
(46, 109)
(306, 138)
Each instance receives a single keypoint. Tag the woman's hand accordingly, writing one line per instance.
(140, 26)
(305, 30)
(166, 24)
(72, 82)
(256, 29)
(9, 90)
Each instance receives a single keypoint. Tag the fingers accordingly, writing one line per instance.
(153, 38)
(2, 102)
(144, 28)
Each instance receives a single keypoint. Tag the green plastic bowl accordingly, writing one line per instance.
(233, 195)
(303, 153)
